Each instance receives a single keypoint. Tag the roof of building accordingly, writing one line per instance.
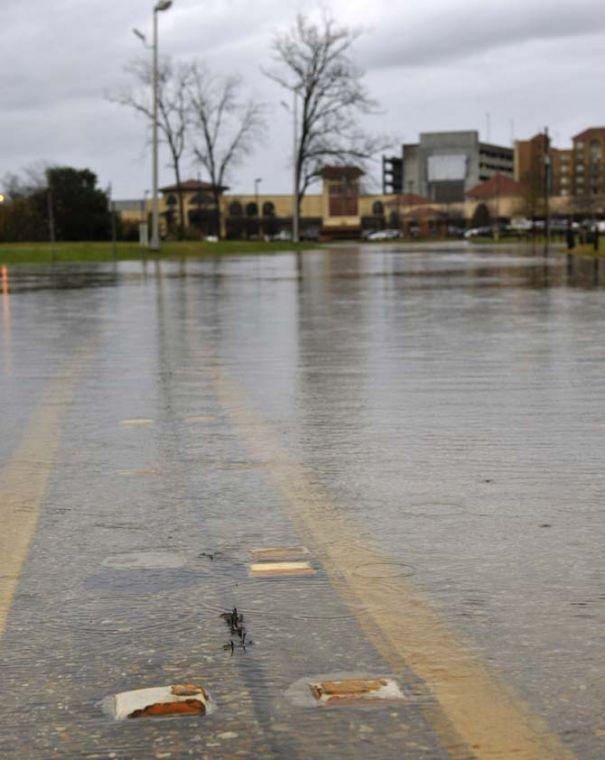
(587, 132)
(408, 199)
(424, 212)
(499, 184)
(190, 186)
(338, 172)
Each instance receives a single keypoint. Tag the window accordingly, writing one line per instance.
(171, 200)
(268, 208)
(251, 209)
(595, 151)
(378, 208)
(235, 208)
(343, 198)
(201, 199)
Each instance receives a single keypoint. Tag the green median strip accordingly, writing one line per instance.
(41, 253)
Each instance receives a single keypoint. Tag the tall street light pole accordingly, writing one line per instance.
(295, 168)
(547, 169)
(295, 178)
(257, 182)
(162, 5)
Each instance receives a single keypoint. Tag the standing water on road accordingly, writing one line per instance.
(389, 460)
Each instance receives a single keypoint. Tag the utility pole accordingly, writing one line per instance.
(295, 170)
(257, 182)
(155, 223)
(546, 189)
(161, 5)
(51, 224)
(112, 211)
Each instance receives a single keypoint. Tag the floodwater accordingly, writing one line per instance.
(427, 423)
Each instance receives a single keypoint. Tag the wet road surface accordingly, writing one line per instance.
(428, 423)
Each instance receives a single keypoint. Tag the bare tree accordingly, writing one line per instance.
(313, 61)
(173, 111)
(225, 127)
(32, 180)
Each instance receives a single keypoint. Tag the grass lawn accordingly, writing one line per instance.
(588, 250)
(40, 253)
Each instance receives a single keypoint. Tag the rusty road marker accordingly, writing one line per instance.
(136, 421)
(356, 691)
(473, 708)
(159, 701)
(279, 553)
(271, 569)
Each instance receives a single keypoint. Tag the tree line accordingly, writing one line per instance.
(58, 201)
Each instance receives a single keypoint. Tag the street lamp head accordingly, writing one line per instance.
(162, 5)
(2, 198)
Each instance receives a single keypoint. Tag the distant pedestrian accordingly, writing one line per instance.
(570, 237)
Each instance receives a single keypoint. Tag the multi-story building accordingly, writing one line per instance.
(531, 162)
(588, 166)
(443, 166)
(576, 173)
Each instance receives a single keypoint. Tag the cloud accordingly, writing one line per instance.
(439, 64)
(442, 31)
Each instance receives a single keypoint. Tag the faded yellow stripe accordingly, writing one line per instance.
(476, 711)
(24, 481)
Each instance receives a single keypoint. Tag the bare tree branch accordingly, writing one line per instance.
(312, 59)
(225, 127)
(173, 109)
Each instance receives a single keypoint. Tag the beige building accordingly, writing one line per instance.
(343, 210)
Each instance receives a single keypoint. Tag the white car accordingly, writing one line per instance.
(282, 236)
(384, 235)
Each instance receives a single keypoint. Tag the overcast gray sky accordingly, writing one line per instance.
(433, 65)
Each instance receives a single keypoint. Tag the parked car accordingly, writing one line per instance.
(282, 236)
(384, 235)
(311, 234)
(521, 225)
(478, 232)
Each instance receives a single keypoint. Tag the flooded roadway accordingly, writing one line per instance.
(428, 423)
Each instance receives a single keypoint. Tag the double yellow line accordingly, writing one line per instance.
(25, 477)
(475, 712)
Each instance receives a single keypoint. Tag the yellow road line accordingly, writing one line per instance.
(476, 712)
(24, 481)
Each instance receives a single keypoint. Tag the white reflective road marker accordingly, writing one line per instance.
(279, 553)
(180, 699)
(268, 569)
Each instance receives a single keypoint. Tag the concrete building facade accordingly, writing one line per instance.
(443, 166)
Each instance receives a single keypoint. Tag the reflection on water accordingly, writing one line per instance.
(6, 323)
(443, 405)
(437, 266)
